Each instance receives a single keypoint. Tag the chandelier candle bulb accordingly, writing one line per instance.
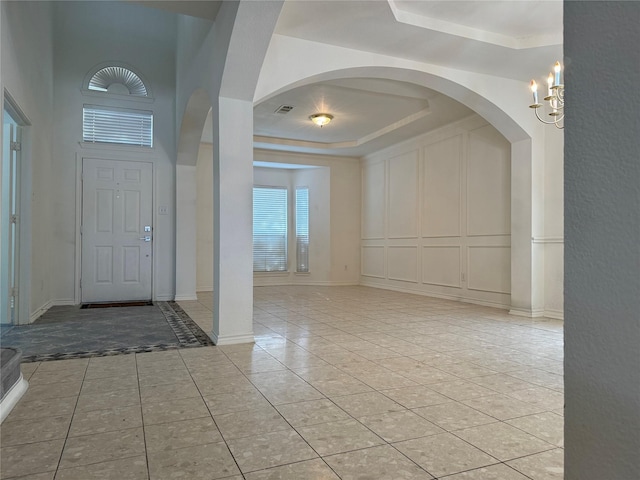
(550, 84)
(556, 69)
(534, 89)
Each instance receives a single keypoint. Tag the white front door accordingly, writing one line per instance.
(116, 230)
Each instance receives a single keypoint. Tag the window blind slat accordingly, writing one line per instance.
(269, 229)
(115, 126)
(302, 229)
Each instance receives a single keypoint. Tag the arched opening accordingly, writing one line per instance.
(187, 193)
(497, 108)
(204, 214)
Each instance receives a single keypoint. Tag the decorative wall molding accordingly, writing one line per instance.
(391, 274)
(547, 239)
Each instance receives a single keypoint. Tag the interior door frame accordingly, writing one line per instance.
(8, 104)
(121, 154)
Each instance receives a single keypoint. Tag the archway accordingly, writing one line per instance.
(189, 137)
(499, 106)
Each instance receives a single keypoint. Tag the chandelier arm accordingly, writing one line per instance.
(544, 121)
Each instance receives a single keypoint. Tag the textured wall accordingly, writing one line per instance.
(602, 234)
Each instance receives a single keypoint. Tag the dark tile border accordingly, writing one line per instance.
(187, 332)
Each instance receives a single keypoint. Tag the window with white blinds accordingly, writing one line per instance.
(110, 125)
(269, 229)
(302, 229)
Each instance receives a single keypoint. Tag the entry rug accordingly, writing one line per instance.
(187, 332)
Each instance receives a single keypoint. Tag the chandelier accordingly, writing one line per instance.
(554, 105)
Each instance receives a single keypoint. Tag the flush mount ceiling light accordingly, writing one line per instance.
(321, 119)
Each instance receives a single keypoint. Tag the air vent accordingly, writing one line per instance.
(284, 109)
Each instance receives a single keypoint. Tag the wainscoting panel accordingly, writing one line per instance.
(441, 193)
(373, 261)
(489, 269)
(373, 200)
(442, 225)
(403, 196)
(488, 183)
(402, 263)
(441, 265)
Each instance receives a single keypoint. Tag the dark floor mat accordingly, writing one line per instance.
(69, 332)
(143, 303)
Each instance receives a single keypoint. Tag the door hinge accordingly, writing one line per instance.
(16, 146)
(13, 219)
(80, 283)
(80, 229)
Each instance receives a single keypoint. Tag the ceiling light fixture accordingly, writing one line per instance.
(321, 119)
(555, 98)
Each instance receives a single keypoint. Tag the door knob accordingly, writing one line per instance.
(146, 238)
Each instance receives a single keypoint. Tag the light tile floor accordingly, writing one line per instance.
(342, 383)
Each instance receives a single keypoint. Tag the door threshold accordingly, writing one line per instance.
(138, 303)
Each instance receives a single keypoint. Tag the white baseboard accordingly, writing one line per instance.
(231, 339)
(12, 396)
(318, 283)
(555, 314)
(164, 298)
(36, 314)
(57, 303)
(185, 297)
(525, 312)
(444, 296)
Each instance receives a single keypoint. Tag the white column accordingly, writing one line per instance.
(527, 214)
(233, 222)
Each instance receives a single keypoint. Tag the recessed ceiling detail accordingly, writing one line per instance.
(369, 114)
(531, 23)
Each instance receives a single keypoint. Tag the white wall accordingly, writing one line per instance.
(436, 215)
(88, 34)
(334, 217)
(27, 75)
(204, 219)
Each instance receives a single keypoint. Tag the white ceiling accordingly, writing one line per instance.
(515, 39)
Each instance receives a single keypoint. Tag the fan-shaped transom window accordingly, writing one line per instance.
(118, 80)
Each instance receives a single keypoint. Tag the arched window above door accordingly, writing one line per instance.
(119, 80)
